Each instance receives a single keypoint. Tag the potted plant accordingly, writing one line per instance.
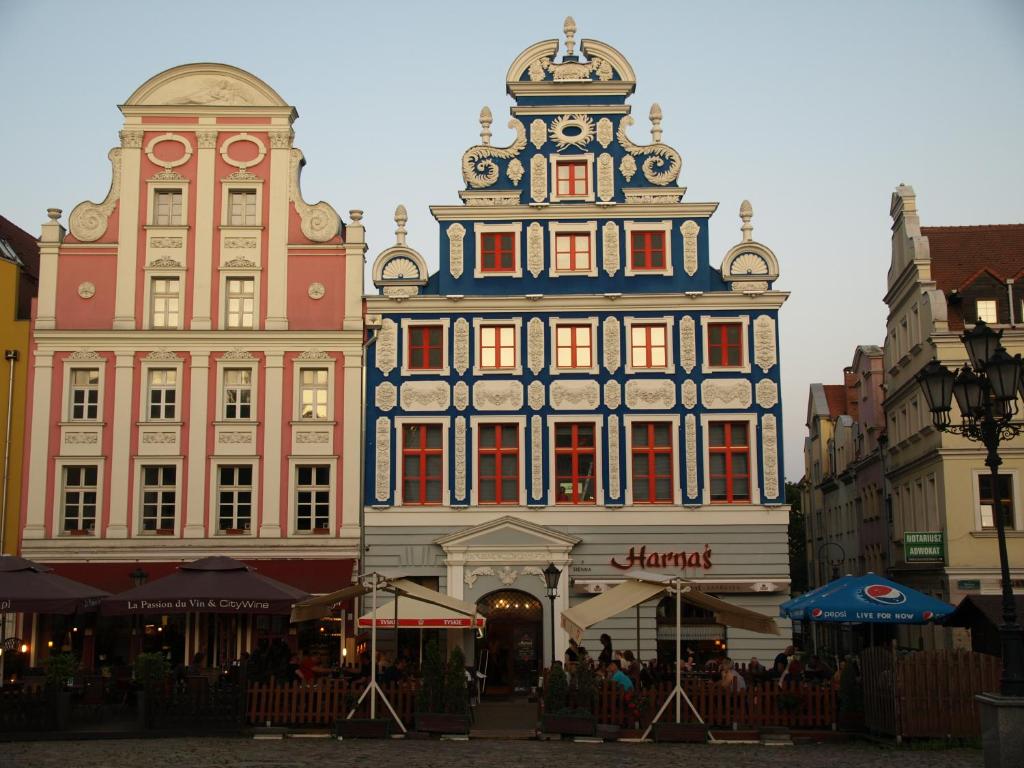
(151, 670)
(443, 701)
(61, 669)
(851, 698)
(559, 716)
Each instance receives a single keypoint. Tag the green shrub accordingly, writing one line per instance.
(151, 670)
(429, 698)
(456, 697)
(60, 668)
(556, 692)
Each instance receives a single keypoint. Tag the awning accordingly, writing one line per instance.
(416, 614)
(646, 586)
(321, 605)
(28, 587)
(870, 599)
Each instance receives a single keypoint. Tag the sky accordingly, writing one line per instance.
(814, 111)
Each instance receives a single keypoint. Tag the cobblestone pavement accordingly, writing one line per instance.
(321, 753)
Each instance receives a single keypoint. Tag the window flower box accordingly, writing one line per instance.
(164, 531)
(234, 531)
(321, 531)
(79, 532)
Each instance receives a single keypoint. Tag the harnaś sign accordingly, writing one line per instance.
(924, 546)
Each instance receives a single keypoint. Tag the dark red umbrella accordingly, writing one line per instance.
(27, 587)
(209, 585)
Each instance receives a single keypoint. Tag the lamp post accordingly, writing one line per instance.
(986, 393)
(551, 576)
(835, 563)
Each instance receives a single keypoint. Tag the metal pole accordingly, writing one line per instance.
(11, 356)
(679, 648)
(638, 632)
(373, 652)
(3, 653)
(362, 467)
(552, 597)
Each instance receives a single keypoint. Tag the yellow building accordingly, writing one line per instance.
(19, 276)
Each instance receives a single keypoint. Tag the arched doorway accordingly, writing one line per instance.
(514, 641)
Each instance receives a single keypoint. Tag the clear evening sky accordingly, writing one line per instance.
(814, 111)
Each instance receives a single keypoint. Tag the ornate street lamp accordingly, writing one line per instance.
(986, 392)
(551, 576)
(138, 576)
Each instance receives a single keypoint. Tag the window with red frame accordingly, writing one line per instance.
(422, 463)
(573, 346)
(652, 462)
(725, 345)
(729, 460)
(572, 252)
(572, 178)
(647, 250)
(648, 345)
(498, 252)
(498, 464)
(424, 345)
(497, 346)
(574, 463)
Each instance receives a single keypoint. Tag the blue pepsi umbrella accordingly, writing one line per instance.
(870, 599)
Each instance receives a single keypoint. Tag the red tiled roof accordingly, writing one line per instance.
(835, 394)
(23, 244)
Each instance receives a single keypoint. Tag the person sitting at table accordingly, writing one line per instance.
(616, 675)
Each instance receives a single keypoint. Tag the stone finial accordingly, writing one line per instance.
(746, 214)
(655, 116)
(401, 217)
(54, 213)
(570, 35)
(356, 215)
(485, 125)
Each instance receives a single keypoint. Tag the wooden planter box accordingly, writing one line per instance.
(569, 725)
(363, 728)
(432, 722)
(681, 733)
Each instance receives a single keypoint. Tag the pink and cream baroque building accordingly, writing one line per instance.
(196, 370)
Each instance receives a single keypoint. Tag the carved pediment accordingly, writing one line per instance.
(507, 533)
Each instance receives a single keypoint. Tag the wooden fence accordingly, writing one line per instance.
(760, 705)
(926, 694)
(323, 702)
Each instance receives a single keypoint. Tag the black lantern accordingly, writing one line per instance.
(1004, 375)
(981, 342)
(138, 576)
(937, 382)
(551, 576)
(969, 391)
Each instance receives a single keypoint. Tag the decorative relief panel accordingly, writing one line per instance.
(574, 130)
(316, 290)
(764, 342)
(85, 354)
(321, 438)
(234, 437)
(627, 167)
(689, 394)
(162, 355)
(313, 354)
(385, 396)
(687, 344)
(425, 396)
(690, 229)
(536, 457)
(612, 394)
(538, 133)
(610, 247)
(151, 438)
(605, 132)
(478, 167)
(460, 455)
(319, 222)
(650, 394)
(538, 178)
(605, 177)
(461, 395)
(81, 438)
(87, 289)
(535, 249)
(383, 445)
(456, 235)
(770, 456)
(725, 393)
(172, 242)
(88, 221)
(497, 395)
(690, 441)
(387, 346)
(575, 394)
(238, 354)
(230, 242)
(766, 393)
(535, 395)
(610, 328)
(515, 171)
(614, 478)
(460, 354)
(535, 345)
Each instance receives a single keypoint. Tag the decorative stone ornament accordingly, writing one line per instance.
(612, 394)
(316, 290)
(725, 393)
(460, 352)
(764, 342)
(610, 247)
(690, 230)
(538, 133)
(401, 271)
(605, 132)
(575, 130)
(460, 455)
(605, 177)
(538, 178)
(382, 434)
(86, 290)
(88, 220)
(479, 169)
(690, 447)
(319, 222)
(766, 394)
(689, 394)
(535, 249)
(687, 344)
(662, 163)
(461, 395)
(385, 396)
(654, 394)
(614, 476)
(456, 234)
(387, 346)
(749, 266)
(535, 395)
(537, 457)
(611, 330)
(535, 345)
(575, 395)
(770, 456)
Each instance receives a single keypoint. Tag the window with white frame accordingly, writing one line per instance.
(497, 250)
(648, 345)
(312, 497)
(85, 394)
(242, 208)
(497, 348)
(167, 207)
(162, 399)
(573, 252)
(648, 248)
(159, 498)
(313, 383)
(574, 346)
(165, 302)
(234, 498)
(987, 500)
(79, 499)
(987, 310)
(572, 177)
(237, 394)
(240, 295)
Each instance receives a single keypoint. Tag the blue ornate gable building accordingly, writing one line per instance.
(580, 382)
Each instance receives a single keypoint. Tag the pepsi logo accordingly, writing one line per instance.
(927, 615)
(884, 594)
(816, 612)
